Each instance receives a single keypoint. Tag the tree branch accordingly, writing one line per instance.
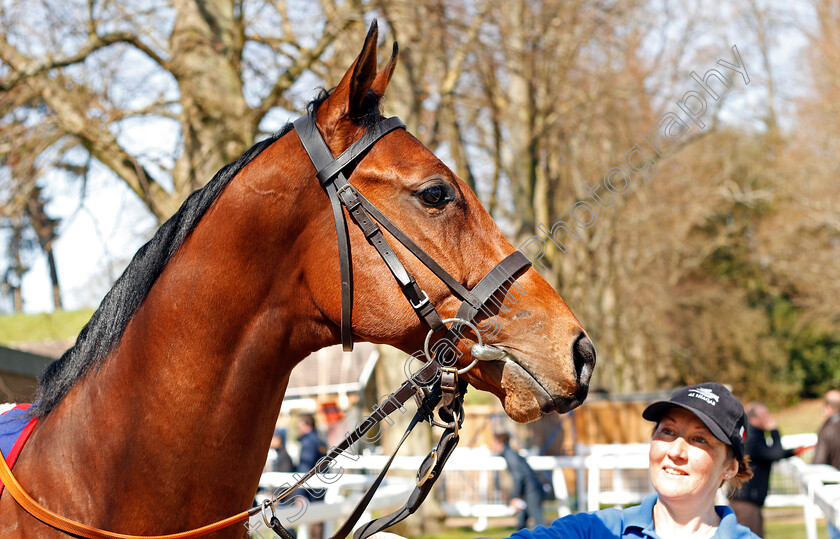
(98, 140)
(23, 68)
(274, 42)
(306, 60)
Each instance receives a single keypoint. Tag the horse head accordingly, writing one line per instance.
(179, 365)
(540, 359)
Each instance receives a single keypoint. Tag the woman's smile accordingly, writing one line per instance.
(687, 463)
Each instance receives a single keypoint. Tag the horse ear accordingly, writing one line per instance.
(380, 83)
(348, 96)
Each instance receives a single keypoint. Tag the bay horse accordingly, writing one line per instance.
(159, 418)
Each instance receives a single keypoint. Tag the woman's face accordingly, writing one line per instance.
(687, 463)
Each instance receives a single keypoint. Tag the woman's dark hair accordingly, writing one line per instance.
(308, 420)
(745, 472)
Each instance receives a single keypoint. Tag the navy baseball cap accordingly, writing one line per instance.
(715, 406)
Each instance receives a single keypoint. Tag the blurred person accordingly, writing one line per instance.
(748, 500)
(828, 442)
(312, 449)
(527, 494)
(278, 459)
(696, 447)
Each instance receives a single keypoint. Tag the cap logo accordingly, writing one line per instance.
(743, 434)
(705, 394)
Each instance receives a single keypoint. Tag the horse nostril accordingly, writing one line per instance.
(583, 352)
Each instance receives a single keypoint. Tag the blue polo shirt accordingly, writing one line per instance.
(636, 521)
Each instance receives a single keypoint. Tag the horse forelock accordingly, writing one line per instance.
(368, 115)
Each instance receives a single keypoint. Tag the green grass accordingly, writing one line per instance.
(451, 533)
(805, 416)
(43, 326)
(779, 528)
(789, 530)
(779, 523)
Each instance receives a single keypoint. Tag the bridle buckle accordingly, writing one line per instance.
(343, 188)
(422, 302)
(448, 379)
(427, 469)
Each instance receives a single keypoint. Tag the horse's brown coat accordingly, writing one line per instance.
(171, 431)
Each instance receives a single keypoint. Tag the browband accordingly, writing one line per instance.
(434, 381)
(332, 174)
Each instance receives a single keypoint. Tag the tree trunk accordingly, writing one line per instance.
(45, 229)
(206, 47)
(56, 289)
(17, 300)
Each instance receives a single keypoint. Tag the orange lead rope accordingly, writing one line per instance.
(68, 526)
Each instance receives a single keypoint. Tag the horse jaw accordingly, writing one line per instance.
(536, 357)
(521, 405)
(524, 398)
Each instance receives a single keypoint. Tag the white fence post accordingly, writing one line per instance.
(561, 493)
(627, 464)
(810, 511)
(593, 483)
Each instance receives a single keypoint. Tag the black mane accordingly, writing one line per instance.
(106, 326)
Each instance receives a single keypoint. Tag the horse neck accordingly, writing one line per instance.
(196, 381)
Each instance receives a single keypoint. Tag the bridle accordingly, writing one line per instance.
(332, 173)
(437, 382)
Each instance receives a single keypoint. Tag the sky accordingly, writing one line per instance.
(102, 229)
(98, 233)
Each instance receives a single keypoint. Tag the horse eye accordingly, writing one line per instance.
(434, 196)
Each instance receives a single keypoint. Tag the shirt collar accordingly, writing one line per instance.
(640, 516)
(728, 522)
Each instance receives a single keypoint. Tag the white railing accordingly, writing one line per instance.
(341, 493)
(616, 460)
(821, 484)
(605, 475)
(483, 465)
(627, 468)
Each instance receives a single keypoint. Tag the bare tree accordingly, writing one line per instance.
(86, 80)
(212, 70)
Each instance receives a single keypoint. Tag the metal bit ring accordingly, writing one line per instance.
(268, 505)
(461, 321)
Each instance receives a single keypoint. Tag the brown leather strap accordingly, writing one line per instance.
(332, 173)
(431, 470)
(81, 530)
(354, 517)
(319, 154)
(425, 378)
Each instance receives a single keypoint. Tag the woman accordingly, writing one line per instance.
(697, 445)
